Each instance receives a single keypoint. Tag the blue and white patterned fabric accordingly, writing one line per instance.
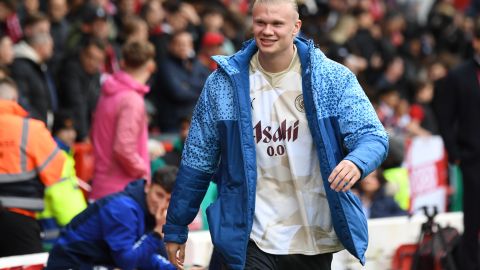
(220, 145)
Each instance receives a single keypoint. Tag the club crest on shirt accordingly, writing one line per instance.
(299, 103)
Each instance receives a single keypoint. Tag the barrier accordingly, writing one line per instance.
(198, 251)
(387, 234)
(24, 262)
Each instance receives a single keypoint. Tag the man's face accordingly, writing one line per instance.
(100, 29)
(274, 27)
(57, 9)
(182, 46)
(158, 198)
(92, 59)
(6, 51)
(45, 49)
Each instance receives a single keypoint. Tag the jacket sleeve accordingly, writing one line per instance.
(65, 199)
(120, 223)
(49, 160)
(130, 122)
(365, 138)
(199, 162)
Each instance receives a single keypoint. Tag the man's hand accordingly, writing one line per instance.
(176, 254)
(160, 219)
(344, 176)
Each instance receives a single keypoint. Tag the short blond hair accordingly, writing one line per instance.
(293, 3)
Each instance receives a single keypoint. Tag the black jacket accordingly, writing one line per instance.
(78, 92)
(37, 93)
(457, 106)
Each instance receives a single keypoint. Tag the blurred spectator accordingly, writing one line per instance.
(212, 43)
(95, 24)
(64, 199)
(134, 29)
(393, 76)
(179, 82)
(421, 111)
(36, 86)
(30, 161)
(456, 106)
(28, 8)
(174, 157)
(9, 22)
(79, 84)
(75, 11)
(36, 23)
(154, 15)
(213, 20)
(57, 10)
(387, 100)
(367, 43)
(125, 10)
(341, 48)
(445, 24)
(123, 230)
(119, 130)
(436, 71)
(393, 33)
(376, 201)
(6, 50)
(235, 32)
(181, 17)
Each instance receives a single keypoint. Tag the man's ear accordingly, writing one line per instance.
(147, 187)
(151, 66)
(298, 25)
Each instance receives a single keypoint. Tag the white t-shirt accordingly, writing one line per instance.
(291, 210)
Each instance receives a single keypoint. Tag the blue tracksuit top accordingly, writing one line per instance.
(343, 124)
(115, 231)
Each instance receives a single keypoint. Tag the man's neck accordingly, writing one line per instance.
(139, 76)
(276, 63)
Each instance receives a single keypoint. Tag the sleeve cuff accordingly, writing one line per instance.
(174, 233)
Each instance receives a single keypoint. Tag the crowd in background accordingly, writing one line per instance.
(397, 49)
(60, 53)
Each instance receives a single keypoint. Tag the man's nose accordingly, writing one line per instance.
(268, 30)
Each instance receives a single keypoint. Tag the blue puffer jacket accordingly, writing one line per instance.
(343, 125)
(112, 232)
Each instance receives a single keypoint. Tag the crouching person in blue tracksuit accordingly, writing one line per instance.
(122, 230)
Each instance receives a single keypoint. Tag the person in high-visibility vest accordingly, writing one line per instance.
(29, 161)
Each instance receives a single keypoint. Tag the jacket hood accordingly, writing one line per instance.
(12, 107)
(136, 190)
(122, 81)
(23, 50)
(231, 64)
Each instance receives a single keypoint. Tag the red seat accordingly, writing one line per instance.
(403, 257)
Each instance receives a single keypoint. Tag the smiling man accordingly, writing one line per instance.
(123, 230)
(286, 132)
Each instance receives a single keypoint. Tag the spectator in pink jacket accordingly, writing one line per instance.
(119, 131)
